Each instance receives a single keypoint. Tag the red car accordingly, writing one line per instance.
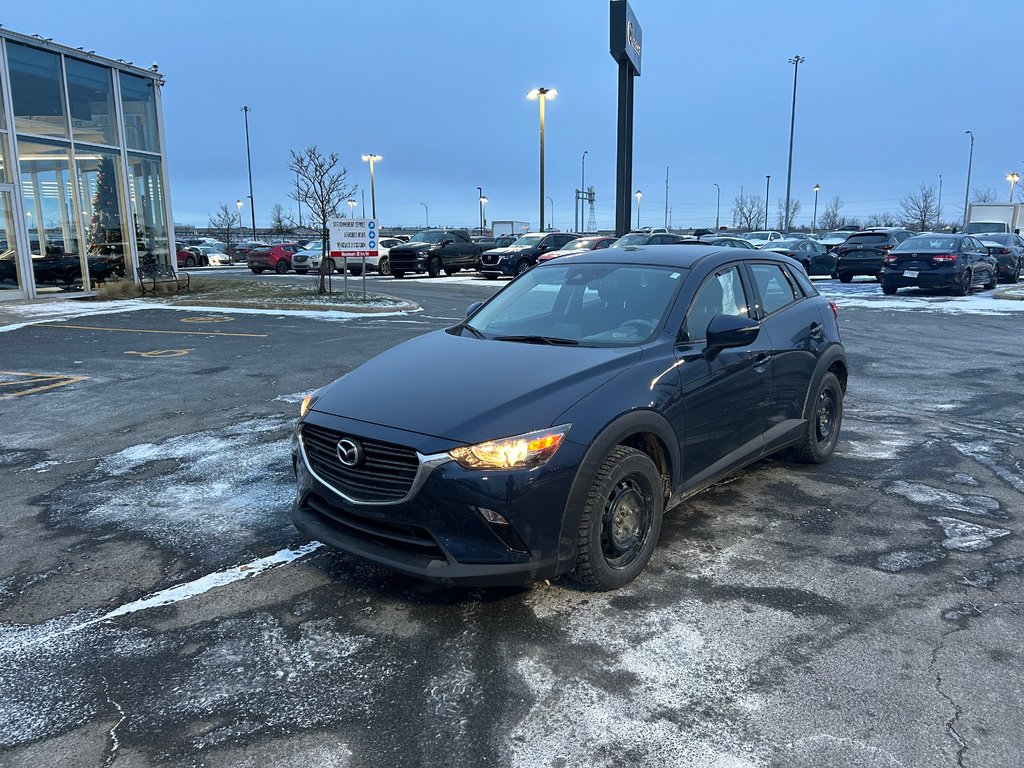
(578, 246)
(275, 257)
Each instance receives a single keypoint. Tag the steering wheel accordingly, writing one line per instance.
(639, 327)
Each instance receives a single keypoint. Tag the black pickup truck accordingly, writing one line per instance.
(434, 251)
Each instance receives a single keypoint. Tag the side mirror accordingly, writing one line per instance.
(473, 307)
(727, 331)
(446, 242)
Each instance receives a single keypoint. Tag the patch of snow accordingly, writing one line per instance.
(982, 452)
(873, 298)
(962, 478)
(904, 560)
(294, 397)
(919, 493)
(327, 315)
(53, 311)
(875, 449)
(967, 537)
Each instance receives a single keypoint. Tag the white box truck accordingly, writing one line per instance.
(514, 228)
(994, 217)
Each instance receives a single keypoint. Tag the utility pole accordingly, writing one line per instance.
(718, 207)
(938, 208)
(967, 192)
(666, 197)
(767, 186)
(583, 186)
(796, 61)
(248, 158)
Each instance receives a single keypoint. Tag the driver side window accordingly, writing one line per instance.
(721, 294)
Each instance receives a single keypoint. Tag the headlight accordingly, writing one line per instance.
(519, 452)
(309, 401)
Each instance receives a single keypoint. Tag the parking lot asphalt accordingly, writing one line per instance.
(157, 607)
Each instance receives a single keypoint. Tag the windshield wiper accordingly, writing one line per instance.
(553, 340)
(472, 330)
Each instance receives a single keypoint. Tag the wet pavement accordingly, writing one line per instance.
(157, 608)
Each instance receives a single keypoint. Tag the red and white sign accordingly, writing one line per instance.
(352, 238)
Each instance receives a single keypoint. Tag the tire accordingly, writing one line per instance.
(822, 433)
(73, 275)
(205, 261)
(190, 261)
(964, 289)
(256, 270)
(434, 267)
(281, 267)
(889, 290)
(384, 266)
(807, 267)
(491, 277)
(993, 278)
(522, 265)
(355, 271)
(301, 271)
(621, 520)
(451, 272)
(398, 273)
(845, 277)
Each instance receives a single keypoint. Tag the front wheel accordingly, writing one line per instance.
(522, 265)
(190, 261)
(845, 277)
(383, 266)
(355, 271)
(398, 273)
(621, 520)
(281, 267)
(330, 267)
(822, 432)
(993, 278)
(889, 290)
(434, 268)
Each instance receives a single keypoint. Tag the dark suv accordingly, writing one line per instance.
(570, 411)
(863, 252)
(522, 254)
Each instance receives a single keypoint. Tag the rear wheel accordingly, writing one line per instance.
(490, 277)
(330, 267)
(889, 290)
(384, 266)
(281, 267)
(434, 267)
(845, 277)
(993, 278)
(190, 261)
(964, 288)
(822, 433)
(399, 273)
(621, 520)
(256, 270)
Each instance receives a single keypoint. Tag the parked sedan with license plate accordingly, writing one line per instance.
(951, 262)
(568, 412)
(862, 252)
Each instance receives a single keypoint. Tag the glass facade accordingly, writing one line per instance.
(83, 181)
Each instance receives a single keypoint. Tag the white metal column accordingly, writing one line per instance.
(22, 252)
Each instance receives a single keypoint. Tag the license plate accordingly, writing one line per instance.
(910, 273)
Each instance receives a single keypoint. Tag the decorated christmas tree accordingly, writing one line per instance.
(105, 224)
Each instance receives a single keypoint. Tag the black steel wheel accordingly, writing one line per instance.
(621, 520)
(826, 418)
(434, 267)
(330, 266)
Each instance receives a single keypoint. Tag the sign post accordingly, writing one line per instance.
(625, 47)
(353, 239)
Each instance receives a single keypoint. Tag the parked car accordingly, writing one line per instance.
(952, 262)
(241, 250)
(434, 251)
(863, 251)
(275, 257)
(833, 239)
(726, 242)
(1008, 248)
(214, 256)
(504, 241)
(185, 257)
(760, 239)
(522, 254)
(579, 245)
(616, 384)
(810, 253)
(647, 238)
(381, 262)
(308, 259)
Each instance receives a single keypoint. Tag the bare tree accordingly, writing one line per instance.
(748, 211)
(224, 222)
(985, 195)
(830, 218)
(885, 219)
(919, 208)
(322, 187)
(780, 213)
(280, 222)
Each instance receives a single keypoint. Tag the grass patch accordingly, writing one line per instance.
(281, 295)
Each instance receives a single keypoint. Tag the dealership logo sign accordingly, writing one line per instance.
(631, 38)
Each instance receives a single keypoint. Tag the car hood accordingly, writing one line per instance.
(467, 390)
(413, 246)
(508, 249)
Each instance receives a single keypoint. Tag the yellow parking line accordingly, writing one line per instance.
(145, 330)
(37, 379)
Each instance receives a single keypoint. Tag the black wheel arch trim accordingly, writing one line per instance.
(612, 434)
(826, 362)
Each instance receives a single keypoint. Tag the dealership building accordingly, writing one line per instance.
(83, 169)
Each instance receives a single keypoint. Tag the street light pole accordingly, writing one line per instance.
(483, 202)
(796, 61)
(543, 94)
(666, 198)
(938, 208)
(352, 209)
(718, 207)
(298, 202)
(638, 194)
(1013, 178)
(967, 192)
(426, 213)
(248, 158)
(814, 218)
(552, 203)
(373, 195)
(238, 205)
(767, 186)
(583, 188)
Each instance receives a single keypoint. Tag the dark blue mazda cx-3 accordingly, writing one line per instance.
(548, 432)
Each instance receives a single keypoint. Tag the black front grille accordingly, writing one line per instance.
(385, 473)
(407, 538)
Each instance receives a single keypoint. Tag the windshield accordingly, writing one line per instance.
(427, 236)
(636, 238)
(586, 304)
(836, 236)
(756, 236)
(792, 243)
(978, 227)
(928, 243)
(581, 243)
(527, 241)
(504, 241)
(873, 239)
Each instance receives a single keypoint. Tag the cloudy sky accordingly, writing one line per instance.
(438, 89)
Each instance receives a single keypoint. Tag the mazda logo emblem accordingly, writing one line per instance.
(350, 452)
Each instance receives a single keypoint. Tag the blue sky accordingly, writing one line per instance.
(438, 89)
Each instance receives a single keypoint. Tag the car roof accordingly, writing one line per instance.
(671, 255)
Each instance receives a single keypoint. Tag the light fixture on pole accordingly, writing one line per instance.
(248, 158)
(970, 162)
(552, 222)
(238, 205)
(1013, 178)
(426, 213)
(583, 188)
(483, 202)
(718, 206)
(814, 218)
(796, 61)
(638, 194)
(767, 186)
(352, 208)
(371, 159)
(543, 94)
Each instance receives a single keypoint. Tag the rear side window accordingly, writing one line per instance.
(774, 286)
(802, 281)
(721, 294)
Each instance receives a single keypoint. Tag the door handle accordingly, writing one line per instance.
(761, 361)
